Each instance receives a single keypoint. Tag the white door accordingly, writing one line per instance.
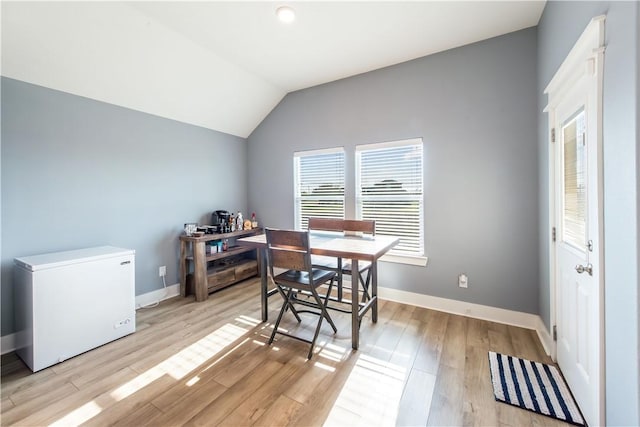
(575, 112)
(577, 288)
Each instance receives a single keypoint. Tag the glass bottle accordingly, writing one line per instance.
(239, 221)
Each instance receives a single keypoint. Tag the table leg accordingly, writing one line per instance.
(200, 272)
(263, 284)
(374, 291)
(355, 305)
(183, 268)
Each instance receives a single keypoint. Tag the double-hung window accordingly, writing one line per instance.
(318, 185)
(389, 190)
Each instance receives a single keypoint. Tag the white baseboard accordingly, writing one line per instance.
(158, 295)
(8, 343)
(546, 339)
(477, 311)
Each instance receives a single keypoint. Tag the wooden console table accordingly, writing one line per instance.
(209, 276)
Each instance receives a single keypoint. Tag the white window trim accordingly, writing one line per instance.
(307, 153)
(389, 144)
(420, 261)
(395, 258)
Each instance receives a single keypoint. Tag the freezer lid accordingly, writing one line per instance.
(59, 259)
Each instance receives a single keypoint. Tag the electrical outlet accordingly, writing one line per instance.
(463, 281)
(162, 271)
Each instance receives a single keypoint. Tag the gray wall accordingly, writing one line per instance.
(560, 27)
(475, 108)
(79, 173)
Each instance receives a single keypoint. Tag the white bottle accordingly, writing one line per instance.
(239, 221)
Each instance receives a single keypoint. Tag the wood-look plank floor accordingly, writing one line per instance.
(208, 364)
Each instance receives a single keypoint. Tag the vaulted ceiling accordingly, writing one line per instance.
(226, 65)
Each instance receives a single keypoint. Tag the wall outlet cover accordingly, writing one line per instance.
(463, 281)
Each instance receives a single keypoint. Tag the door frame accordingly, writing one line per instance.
(586, 57)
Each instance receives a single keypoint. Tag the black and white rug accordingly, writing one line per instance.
(534, 386)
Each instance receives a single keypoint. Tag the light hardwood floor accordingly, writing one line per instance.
(208, 364)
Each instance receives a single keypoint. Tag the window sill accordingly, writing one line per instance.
(419, 261)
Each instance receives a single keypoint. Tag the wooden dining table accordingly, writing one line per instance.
(355, 248)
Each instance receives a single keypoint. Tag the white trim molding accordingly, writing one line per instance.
(546, 339)
(476, 311)
(420, 261)
(8, 343)
(154, 297)
(578, 84)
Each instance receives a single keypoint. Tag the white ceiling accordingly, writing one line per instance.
(226, 65)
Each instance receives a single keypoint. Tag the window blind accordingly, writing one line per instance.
(319, 185)
(389, 190)
(575, 189)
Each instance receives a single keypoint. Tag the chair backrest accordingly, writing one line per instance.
(288, 249)
(347, 226)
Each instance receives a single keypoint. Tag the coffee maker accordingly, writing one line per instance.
(220, 220)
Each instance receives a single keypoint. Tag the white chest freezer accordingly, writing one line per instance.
(70, 302)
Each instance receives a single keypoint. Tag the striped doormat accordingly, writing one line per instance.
(534, 386)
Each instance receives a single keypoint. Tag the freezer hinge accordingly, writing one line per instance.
(553, 234)
(555, 333)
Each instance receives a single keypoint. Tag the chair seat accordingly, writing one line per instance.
(301, 278)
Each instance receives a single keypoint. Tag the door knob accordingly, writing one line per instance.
(582, 268)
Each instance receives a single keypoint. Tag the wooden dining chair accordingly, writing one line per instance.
(341, 266)
(290, 250)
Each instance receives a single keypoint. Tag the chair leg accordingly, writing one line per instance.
(315, 336)
(365, 285)
(293, 309)
(289, 304)
(323, 307)
(322, 314)
(286, 304)
(340, 279)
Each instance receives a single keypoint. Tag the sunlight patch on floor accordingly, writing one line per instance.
(325, 367)
(249, 321)
(219, 359)
(332, 352)
(185, 361)
(176, 366)
(192, 381)
(370, 396)
(79, 416)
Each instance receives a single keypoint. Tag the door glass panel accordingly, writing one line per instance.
(575, 185)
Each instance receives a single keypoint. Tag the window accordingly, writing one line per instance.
(319, 185)
(389, 190)
(574, 213)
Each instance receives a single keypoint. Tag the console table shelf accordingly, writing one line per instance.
(212, 272)
(234, 250)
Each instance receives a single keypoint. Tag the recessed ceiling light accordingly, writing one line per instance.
(285, 14)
